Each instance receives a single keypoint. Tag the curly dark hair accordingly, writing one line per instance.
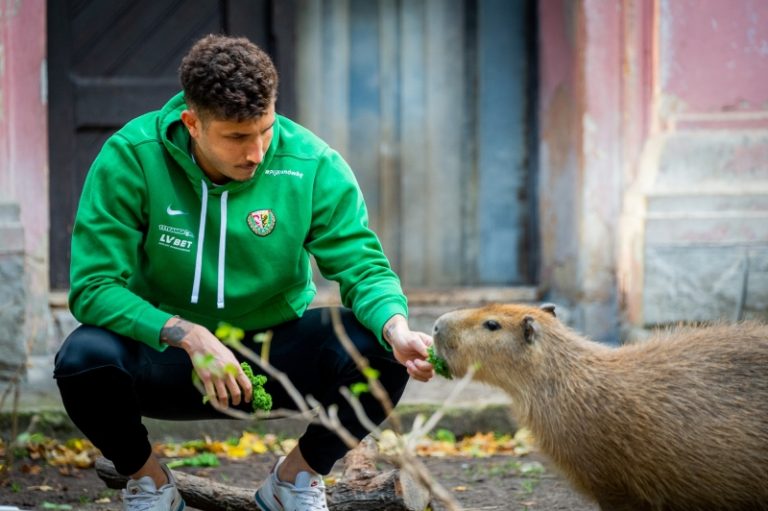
(228, 78)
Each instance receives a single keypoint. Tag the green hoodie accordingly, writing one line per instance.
(154, 238)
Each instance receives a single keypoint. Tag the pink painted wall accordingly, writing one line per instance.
(714, 55)
(24, 150)
(556, 48)
(23, 119)
(559, 131)
(601, 150)
(580, 160)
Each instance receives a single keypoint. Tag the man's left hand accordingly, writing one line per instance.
(409, 347)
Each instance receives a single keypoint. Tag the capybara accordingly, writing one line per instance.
(677, 422)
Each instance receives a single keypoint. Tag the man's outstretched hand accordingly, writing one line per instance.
(409, 347)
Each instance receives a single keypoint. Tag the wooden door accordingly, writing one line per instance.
(109, 61)
(432, 102)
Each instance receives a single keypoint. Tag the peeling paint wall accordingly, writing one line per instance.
(558, 171)
(654, 161)
(6, 185)
(714, 55)
(24, 149)
(579, 186)
(705, 230)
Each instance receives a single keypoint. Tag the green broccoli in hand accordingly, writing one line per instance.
(261, 399)
(439, 363)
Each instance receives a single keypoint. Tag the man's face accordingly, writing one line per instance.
(229, 150)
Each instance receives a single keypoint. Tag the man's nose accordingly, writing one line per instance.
(255, 152)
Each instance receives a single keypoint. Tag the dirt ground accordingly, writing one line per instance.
(494, 483)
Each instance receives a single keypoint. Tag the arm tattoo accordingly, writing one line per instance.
(172, 335)
(388, 332)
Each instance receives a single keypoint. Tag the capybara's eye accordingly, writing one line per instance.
(492, 325)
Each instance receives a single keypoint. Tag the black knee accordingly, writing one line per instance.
(89, 347)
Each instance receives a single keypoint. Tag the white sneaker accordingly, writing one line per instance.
(143, 495)
(307, 494)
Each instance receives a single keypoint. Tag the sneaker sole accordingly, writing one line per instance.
(263, 506)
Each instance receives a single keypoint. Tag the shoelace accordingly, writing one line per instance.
(141, 501)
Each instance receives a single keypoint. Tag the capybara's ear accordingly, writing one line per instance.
(530, 329)
(548, 307)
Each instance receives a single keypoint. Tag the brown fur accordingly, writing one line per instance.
(678, 422)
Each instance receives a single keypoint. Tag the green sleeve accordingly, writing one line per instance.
(348, 251)
(107, 241)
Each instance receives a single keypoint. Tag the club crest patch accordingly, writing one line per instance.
(262, 222)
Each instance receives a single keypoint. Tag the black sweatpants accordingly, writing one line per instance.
(108, 382)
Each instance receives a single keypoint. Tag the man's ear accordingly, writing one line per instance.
(192, 121)
(530, 329)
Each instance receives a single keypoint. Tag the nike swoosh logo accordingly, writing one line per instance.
(174, 212)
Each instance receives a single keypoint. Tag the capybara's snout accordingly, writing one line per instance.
(446, 333)
(440, 328)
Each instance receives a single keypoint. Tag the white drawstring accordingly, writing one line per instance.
(200, 240)
(222, 249)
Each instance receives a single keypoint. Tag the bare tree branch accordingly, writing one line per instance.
(377, 389)
(309, 408)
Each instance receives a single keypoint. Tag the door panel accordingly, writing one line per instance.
(431, 102)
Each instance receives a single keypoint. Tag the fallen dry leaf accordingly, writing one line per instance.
(79, 453)
(43, 487)
(30, 469)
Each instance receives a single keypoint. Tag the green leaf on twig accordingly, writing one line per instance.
(358, 388)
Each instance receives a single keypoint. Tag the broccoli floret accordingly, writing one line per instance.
(439, 363)
(261, 399)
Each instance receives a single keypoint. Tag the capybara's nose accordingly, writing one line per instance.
(439, 324)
